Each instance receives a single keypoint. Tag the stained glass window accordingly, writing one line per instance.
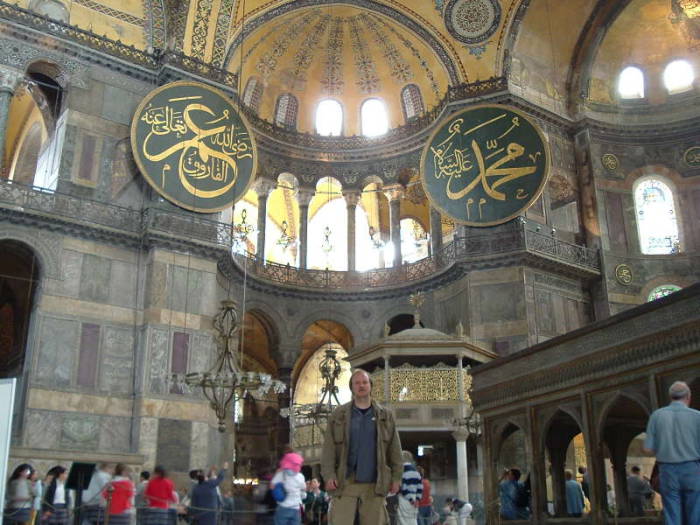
(286, 112)
(412, 101)
(329, 118)
(656, 217)
(678, 76)
(375, 121)
(662, 291)
(631, 83)
(252, 94)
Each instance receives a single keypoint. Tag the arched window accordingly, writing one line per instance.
(662, 291)
(252, 94)
(375, 121)
(329, 118)
(412, 102)
(656, 217)
(286, 112)
(678, 76)
(631, 83)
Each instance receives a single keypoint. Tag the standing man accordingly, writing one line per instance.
(574, 495)
(361, 458)
(673, 435)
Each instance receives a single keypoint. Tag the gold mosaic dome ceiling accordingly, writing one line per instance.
(341, 52)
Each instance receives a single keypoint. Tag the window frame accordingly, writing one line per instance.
(342, 116)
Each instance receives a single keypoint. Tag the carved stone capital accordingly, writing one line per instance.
(394, 192)
(460, 434)
(304, 196)
(263, 187)
(352, 197)
(10, 78)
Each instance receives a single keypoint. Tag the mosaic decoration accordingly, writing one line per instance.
(332, 80)
(366, 69)
(306, 52)
(200, 28)
(396, 15)
(477, 51)
(472, 21)
(439, 4)
(176, 14)
(691, 157)
(485, 165)
(423, 63)
(155, 31)
(114, 13)
(610, 162)
(400, 69)
(267, 64)
(193, 147)
(223, 23)
(276, 30)
(623, 274)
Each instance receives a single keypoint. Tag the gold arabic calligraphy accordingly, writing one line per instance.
(488, 163)
(207, 154)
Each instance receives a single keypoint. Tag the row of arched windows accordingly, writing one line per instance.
(678, 77)
(329, 112)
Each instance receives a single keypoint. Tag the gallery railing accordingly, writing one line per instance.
(515, 238)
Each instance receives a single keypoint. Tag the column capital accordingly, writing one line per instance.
(304, 196)
(352, 197)
(394, 192)
(10, 78)
(263, 187)
(460, 434)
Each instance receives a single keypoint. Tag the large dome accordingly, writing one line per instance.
(341, 52)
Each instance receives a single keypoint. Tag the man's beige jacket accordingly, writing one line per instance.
(334, 458)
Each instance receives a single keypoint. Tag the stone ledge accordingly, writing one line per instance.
(76, 455)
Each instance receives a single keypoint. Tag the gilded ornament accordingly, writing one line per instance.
(485, 165)
(610, 162)
(691, 157)
(623, 274)
(193, 146)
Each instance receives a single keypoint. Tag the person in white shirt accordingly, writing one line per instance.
(56, 498)
(289, 510)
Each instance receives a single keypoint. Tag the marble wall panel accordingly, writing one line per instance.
(199, 455)
(95, 278)
(116, 371)
(214, 451)
(42, 429)
(58, 343)
(157, 285)
(115, 433)
(500, 302)
(118, 104)
(201, 351)
(148, 440)
(159, 357)
(71, 265)
(80, 432)
(185, 290)
(546, 322)
(174, 438)
(123, 284)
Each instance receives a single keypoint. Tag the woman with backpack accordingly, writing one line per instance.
(289, 489)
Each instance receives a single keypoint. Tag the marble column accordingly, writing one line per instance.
(263, 187)
(9, 80)
(304, 197)
(435, 231)
(460, 436)
(352, 198)
(394, 194)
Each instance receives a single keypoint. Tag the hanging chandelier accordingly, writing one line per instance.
(285, 240)
(315, 413)
(225, 382)
(240, 233)
(326, 245)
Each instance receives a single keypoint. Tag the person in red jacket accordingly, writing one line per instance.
(120, 495)
(160, 493)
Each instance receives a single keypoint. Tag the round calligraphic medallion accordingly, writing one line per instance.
(193, 146)
(472, 21)
(485, 165)
(623, 274)
(691, 157)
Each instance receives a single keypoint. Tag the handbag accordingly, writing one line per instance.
(279, 493)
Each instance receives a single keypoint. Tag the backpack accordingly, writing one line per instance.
(522, 496)
(279, 493)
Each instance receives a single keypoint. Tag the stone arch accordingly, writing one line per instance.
(24, 163)
(678, 280)
(47, 255)
(446, 54)
(566, 410)
(613, 401)
(502, 433)
(259, 340)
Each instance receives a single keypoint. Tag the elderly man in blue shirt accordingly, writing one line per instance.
(673, 435)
